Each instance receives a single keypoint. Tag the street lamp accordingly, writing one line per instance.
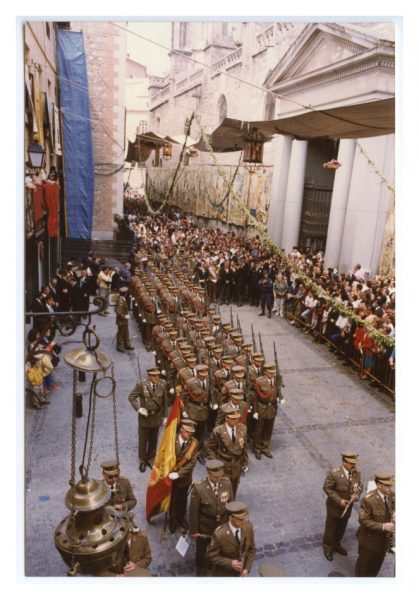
(253, 147)
(167, 151)
(36, 155)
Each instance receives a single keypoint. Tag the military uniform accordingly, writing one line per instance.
(337, 486)
(137, 550)
(198, 404)
(186, 457)
(373, 541)
(122, 337)
(266, 407)
(122, 493)
(225, 547)
(207, 511)
(232, 454)
(143, 396)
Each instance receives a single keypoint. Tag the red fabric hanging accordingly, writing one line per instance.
(52, 204)
(38, 202)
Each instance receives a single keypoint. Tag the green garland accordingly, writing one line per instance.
(175, 179)
(379, 338)
(374, 167)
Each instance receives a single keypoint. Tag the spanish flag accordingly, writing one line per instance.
(159, 488)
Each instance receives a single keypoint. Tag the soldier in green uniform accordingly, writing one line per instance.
(377, 526)
(207, 509)
(122, 337)
(232, 548)
(122, 497)
(265, 409)
(342, 486)
(228, 443)
(149, 398)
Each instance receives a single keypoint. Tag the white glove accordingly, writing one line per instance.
(214, 406)
(282, 401)
(143, 411)
(171, 391)
(127, 316)
(163, 371)
(164, 422)
(245, 469)
(184, 414)
(173, 476)
(256, 416)
(154, 352)
(144, 321)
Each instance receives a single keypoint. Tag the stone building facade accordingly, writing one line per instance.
(344, 213)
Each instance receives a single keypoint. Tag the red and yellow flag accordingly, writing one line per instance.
(159, 488)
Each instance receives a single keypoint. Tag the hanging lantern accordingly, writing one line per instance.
(253, 147)
(93, 536)
(36, 154)
(167, 151)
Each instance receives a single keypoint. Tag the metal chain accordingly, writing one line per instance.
(115, 419)
(92, 429)
(73, 433)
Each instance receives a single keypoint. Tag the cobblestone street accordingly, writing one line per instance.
(327, 410)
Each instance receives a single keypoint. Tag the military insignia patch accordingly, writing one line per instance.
(224, 496)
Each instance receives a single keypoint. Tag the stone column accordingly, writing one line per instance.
(339, 202)
(281, 151)
(294, 195)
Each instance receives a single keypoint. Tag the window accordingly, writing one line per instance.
(142, 126)
(222, 108)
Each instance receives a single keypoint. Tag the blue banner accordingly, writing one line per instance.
(77, 134)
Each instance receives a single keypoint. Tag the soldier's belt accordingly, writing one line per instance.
(229, 459)
(198, 403)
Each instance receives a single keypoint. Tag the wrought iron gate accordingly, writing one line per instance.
(315, 214)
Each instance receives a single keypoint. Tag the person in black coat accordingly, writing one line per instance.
(225, 282)
(266, 294)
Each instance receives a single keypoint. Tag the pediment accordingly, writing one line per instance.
(317, 48)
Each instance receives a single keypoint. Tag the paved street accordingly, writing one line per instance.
(327, 409)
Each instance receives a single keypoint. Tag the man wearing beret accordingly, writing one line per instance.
(122, 497)
(207, 510)
(149, 398)
(232, 548)
(377, 527)
(343, 487)
(228, 443)
(122, 337)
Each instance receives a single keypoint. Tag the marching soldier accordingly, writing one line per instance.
(207, 510)
(377, 526)
(235, 399)
(265, 409)
(227, 442)
(186, 449)
(122, 497)
(343, 486)
(199, 401)
(221, 376)
(149, 399)
(255, 371)
(232, 549)
(244, 359)
(238, 382)
(122, 337)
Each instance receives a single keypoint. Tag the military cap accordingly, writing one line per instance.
(216, 318)
(227, 358)
(215, 466)
(209, 338)
(190, 357)
(181, 341)
(258, 356)
(236, 393)
(123, 290)
(230, 411)
(248, 345)
(237, 369)
(226, 326)
(210, 310)
(173, 333)
(270, 571)
(153, 371)
(162, 318)
(237, 509)
(138, 572)
(384, 478)
(237, 336)
(185, 347)
(188, 425)
(201, 291)
(110, 467)
(270, 366)
(217, 349)
(202, 368)
(350, 457)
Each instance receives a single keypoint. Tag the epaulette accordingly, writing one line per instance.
(218, 528)
(369, 494)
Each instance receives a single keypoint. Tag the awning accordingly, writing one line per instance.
(345, 122)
